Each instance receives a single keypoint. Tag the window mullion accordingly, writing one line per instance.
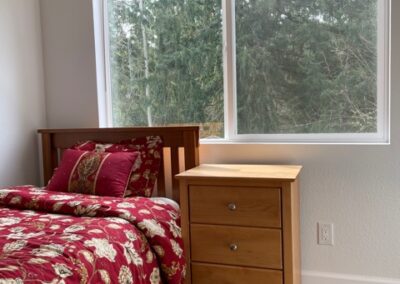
(229, 68)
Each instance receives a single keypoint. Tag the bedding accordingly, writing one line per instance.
(54, 237)
(143, 178)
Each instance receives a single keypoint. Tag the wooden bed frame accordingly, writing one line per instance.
(55, 141)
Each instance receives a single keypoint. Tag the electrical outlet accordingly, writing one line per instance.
(325, 234)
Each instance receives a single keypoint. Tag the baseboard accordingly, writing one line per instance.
(317, 277)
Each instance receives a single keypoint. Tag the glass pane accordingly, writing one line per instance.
(306, 66)
(166, 63)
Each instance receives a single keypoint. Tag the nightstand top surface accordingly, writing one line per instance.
(277, 172)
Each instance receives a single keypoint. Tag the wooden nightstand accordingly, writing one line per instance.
(240, 224)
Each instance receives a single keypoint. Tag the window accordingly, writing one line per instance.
(249, 70)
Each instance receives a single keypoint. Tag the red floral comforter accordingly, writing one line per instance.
(52, 237)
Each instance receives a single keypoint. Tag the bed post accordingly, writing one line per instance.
(191, 151)
(191, 145)
(50, 159)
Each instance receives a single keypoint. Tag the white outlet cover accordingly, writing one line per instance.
(325, 234)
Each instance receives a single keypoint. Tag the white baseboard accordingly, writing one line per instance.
(317, 277)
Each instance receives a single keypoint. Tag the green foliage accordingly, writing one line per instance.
(306, 66)
(303, 66)
(184, 47)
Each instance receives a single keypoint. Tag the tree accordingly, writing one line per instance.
(303, 66)
(184, 62)
(306, 66)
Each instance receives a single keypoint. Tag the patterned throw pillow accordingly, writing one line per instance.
(96, 173)
(142, 179)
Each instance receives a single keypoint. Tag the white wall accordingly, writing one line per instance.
(355, 187)
(69, 63)
(22, 103)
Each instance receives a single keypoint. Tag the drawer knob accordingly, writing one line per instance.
(233, 247)
(232, 206)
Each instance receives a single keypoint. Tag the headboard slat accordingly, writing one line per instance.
(175, 171)
(161, 179)
(54, 140)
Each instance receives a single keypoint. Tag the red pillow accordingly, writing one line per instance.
(142, 179)
(97, 173)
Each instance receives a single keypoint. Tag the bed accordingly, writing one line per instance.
(74, 237)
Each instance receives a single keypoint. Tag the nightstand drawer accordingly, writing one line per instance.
(246, 206)
(221, 274)
(254, 247)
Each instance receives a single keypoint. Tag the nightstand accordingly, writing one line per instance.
(240, 224)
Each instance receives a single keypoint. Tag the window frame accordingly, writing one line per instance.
(382, 136)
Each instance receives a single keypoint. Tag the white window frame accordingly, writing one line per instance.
(382, 136)
(101, 39)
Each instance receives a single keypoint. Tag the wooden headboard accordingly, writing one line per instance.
(54, 141)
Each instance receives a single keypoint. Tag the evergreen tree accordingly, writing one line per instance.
(303, 66)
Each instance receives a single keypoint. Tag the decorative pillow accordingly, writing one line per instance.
(142, 179)
(97, 173)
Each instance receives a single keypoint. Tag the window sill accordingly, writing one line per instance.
(236, 142)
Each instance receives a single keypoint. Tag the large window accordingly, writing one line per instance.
(250, 70)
